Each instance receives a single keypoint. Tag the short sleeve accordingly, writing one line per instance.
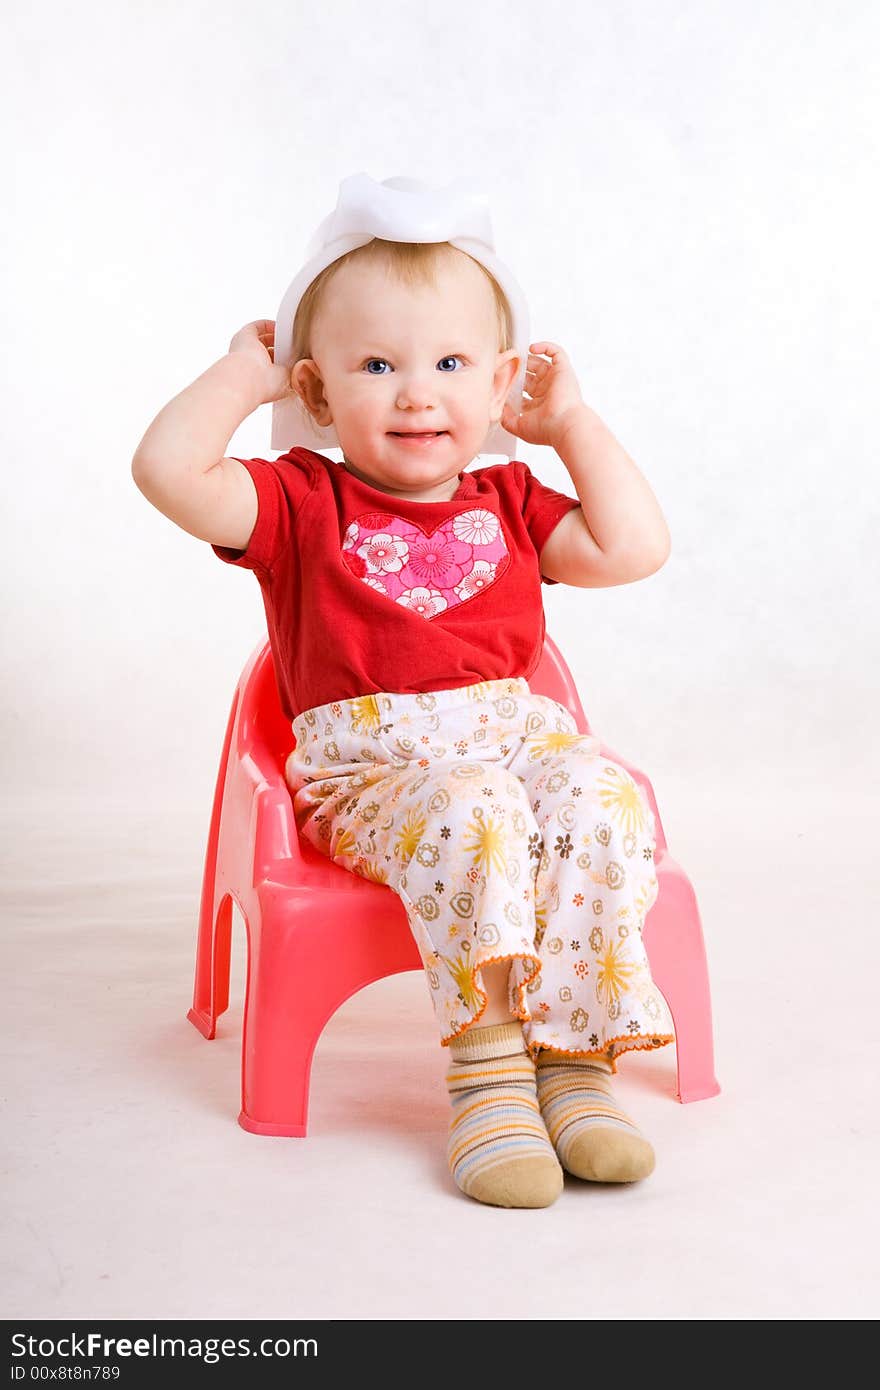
(282, 486)
(543, 508)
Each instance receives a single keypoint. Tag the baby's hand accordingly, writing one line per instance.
(256, 341)
(554, 390)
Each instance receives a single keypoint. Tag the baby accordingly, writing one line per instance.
(404, 608)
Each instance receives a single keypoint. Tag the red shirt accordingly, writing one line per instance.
(365, 592)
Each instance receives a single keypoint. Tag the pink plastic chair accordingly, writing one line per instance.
(301, 910)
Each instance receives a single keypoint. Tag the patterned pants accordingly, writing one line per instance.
(508, 836)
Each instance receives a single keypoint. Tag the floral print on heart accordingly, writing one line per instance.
(428, 572)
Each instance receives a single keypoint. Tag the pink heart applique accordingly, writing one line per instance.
(427, 571)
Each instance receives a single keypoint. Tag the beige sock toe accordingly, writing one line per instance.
(523, 1182)
(609, 1155)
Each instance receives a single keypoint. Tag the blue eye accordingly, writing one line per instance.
(453, 357)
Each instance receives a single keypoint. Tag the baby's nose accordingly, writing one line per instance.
(415, 393)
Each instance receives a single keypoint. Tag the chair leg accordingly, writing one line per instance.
(674, 944)
(302, 966)
(288, 998)
(211, 988)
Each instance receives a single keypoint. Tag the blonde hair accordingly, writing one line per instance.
(414, 263)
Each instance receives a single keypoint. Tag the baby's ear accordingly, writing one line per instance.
(506, 368)
(305, 380)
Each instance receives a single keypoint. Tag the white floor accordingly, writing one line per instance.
(131, 1192)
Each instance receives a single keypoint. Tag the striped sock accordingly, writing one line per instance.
(498, 1150)
(593, 1137)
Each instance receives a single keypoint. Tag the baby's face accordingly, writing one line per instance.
(390, 360)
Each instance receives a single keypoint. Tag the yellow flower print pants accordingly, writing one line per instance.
(508, 836)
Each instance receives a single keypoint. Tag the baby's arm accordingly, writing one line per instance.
(179, 464)
(619, 534)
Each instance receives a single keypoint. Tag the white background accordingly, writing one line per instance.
(687, 194)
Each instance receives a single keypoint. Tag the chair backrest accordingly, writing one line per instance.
(261, 718)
